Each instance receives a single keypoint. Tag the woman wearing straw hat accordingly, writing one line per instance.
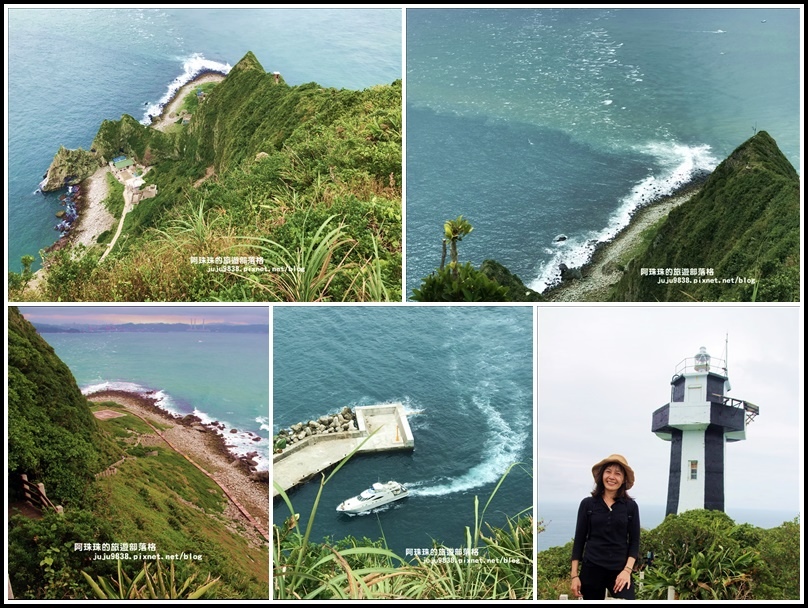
(607, 534)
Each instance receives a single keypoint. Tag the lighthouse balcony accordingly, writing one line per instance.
(729, 417)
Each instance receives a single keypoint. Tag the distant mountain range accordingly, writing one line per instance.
(221, 328)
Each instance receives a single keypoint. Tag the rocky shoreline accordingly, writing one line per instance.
(215, 442)
(591, 282)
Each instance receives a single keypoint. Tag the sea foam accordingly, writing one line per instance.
(192, 67)
(676, 165)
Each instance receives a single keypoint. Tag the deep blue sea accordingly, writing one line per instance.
(559, 520)
(464, 374)
(533, 123)
(217, 376)
(69, 69)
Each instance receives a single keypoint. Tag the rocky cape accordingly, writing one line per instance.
(69, 168)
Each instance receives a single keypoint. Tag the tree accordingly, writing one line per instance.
(454, 231)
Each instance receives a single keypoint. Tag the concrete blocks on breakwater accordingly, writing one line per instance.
(381, 427)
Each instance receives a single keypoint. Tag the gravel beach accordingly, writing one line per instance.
(205, 448)
(94, 217)
(601, 272)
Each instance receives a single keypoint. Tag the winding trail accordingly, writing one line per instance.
(127, 207)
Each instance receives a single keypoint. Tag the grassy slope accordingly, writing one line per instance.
(743, 223)
(162, 498)
(285, 160)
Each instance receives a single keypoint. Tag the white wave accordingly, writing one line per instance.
(607, 102)
(239, 443)
(191, 68)
(502, 447)
(677, 163)
(263, 422)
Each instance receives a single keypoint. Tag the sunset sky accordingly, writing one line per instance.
(118, 315)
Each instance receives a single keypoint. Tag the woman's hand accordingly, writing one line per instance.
(623, 581)
(575, 586)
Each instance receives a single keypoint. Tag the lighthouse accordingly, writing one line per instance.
(699, 421)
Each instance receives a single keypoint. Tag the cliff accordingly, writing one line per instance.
(737, 239)
(257, 172)
(517, 290)
(51, 430)
(69, 167)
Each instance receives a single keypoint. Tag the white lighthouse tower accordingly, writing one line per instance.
(699, 421)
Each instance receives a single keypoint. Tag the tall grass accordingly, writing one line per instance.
(304, 273)
(503, 568)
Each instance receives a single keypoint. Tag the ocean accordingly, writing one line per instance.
(217, 376)
(70, 69)
(537, 123)
(464, 375)
(559, 520)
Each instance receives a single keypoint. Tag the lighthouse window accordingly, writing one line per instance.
(694, 469)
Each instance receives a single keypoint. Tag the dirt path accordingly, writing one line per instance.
(127, 207)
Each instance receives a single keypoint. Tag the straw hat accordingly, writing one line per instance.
(621, 460)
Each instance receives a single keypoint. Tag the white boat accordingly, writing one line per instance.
(377, 495)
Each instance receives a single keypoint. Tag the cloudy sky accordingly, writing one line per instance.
(116, 315)
(604, 370)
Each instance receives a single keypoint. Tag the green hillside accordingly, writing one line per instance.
(118, 485)
(301, 186)
(51, 431)
(738, 239)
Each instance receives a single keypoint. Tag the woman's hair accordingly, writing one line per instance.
(600, 488)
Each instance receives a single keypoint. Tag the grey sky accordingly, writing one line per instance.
(604, 370)
(115, 315)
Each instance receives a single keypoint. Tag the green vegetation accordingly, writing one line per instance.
(114, 200)
(743, 226)
(118, 483)
(51, 432)
(255, 175)
(191, 101)
(703, 555)
(17, 282)
(463, 283)
(147, 585)
(497, 562)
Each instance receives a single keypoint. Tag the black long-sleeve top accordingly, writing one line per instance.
(613, 534)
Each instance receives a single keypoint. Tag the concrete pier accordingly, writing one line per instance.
(304, 459)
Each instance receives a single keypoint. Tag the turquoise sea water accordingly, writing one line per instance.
(216, 376)
(465, 377)
(534, 123)
(69, 69)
